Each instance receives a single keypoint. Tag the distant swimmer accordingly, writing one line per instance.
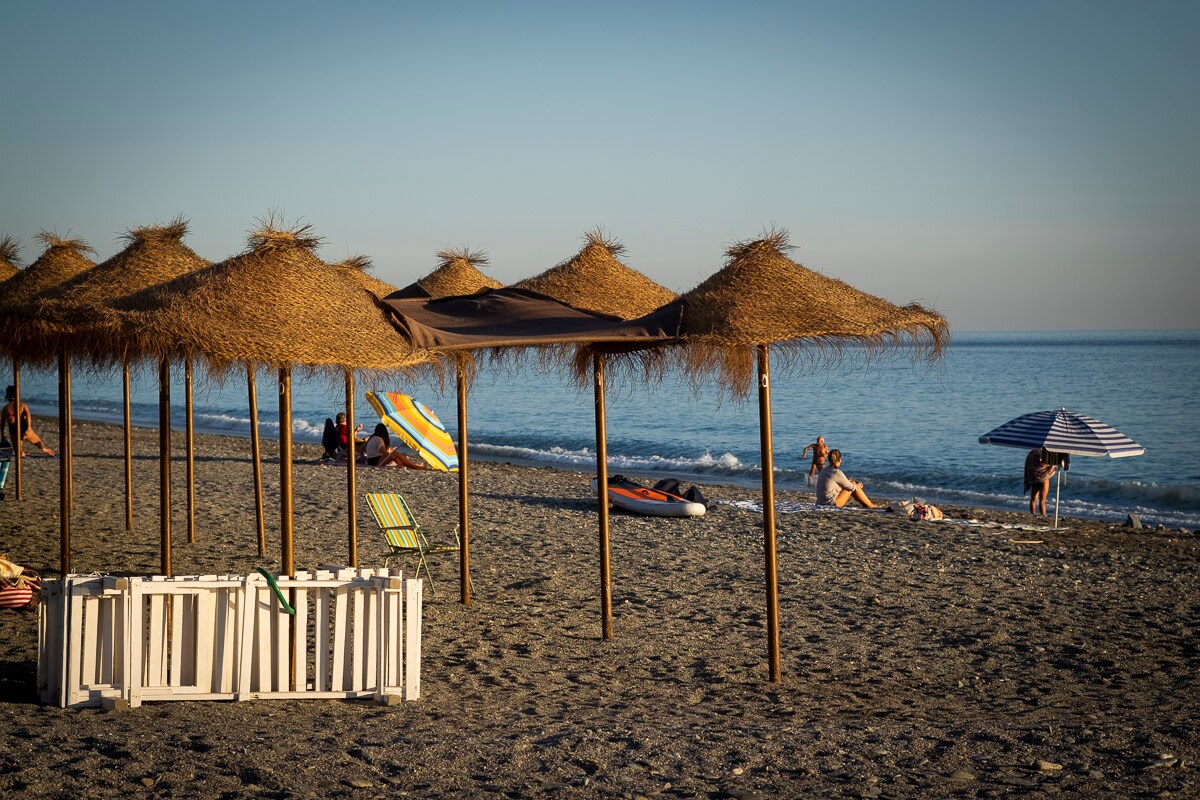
(819, 454)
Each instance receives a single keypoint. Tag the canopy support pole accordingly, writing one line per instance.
(351, 477)
(1057, 489)
(768, 484)
(65, 501)
(190, 436)
(19, 444)
(464, 529)
(287, 560)
(606, 613)
(128, 419)
(256, 459)
(164, 464)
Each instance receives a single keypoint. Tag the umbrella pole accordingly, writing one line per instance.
(768, 483)
(606, 614)
(128, 419)
(164, 464)
(287, 560)
(1057, 489)
(190, 436)
(464, 553)
(256, 458)
(64, 461)
(351, 478)
(19, 444)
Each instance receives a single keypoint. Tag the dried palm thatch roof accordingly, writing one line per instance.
(62, 260)
(595, 279)
(275, 304)
(457, 273)
(762, 296)
(153, 254)
(357, 269)
(10, 249)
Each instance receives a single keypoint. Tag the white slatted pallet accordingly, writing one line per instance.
(105, 640)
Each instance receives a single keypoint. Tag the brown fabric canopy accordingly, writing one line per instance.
(495, 318)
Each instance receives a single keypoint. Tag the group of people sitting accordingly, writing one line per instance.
(833, 487)
(375, 450)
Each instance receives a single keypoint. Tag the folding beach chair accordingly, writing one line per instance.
(403, 534)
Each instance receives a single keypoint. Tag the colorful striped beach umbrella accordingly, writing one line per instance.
(1063, 431)
(419, 428)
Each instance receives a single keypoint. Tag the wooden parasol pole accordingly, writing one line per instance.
(256, 458)
(128, 419)
(19, 444)
(287, 554)
(65, 501)
(287, 551)
(606, 613)
(164, 465)
(190, 438)
(768, 484)
(351, 477)
(464, 517)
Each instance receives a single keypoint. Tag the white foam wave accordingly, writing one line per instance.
(725, 463)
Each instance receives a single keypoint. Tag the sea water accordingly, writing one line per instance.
(905, 429)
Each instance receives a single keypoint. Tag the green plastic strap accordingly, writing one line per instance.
(278, 594)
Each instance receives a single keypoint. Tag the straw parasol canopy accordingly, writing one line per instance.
(357, 270)
(595, 279)
(153, 254)
(457, 273)
(275, 304)
(10, 248)
(62, 260)
(762, 297)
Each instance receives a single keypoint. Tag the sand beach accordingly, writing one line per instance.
(920, 659)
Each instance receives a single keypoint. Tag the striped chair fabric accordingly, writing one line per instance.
(403, 533)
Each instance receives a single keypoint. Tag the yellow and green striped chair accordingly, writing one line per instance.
(403, 534)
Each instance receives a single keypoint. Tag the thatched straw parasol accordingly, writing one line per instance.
(275, 304)
(153, 254)
(457, 273)
(60, 261)
(10, 248)
(595, 279)
(762, 298)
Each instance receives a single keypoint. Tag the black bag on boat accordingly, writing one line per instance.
(668, 485)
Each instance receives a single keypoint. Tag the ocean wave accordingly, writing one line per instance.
(706, 464)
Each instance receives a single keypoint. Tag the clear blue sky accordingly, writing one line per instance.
(1016, 165)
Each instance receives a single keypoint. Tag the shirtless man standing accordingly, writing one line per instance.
(819, 452)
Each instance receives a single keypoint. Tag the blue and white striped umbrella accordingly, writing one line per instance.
(1064, 432)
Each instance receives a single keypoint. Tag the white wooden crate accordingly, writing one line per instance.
(355, 633)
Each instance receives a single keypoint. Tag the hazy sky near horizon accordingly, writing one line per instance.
(1015, 165)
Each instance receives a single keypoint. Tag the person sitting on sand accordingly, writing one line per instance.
(380, 453)
(9, 417)
(1037, 479)
(819, 452)
(835, 489)
(343, 435)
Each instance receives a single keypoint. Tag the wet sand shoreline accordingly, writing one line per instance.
(919, 659)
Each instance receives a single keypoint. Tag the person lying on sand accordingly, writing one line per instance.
(380, 453)
(835, 489)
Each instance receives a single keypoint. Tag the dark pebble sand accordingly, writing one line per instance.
(920, 660)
